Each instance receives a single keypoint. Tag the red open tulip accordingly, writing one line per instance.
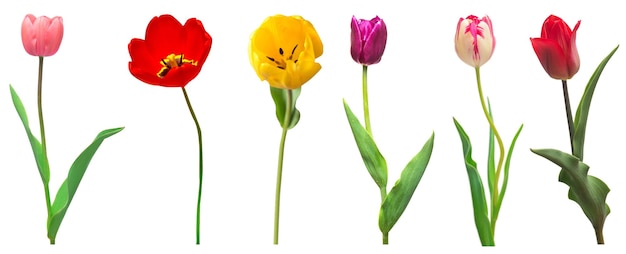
(556, 49)
(172, 54)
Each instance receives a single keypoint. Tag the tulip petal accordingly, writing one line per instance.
(573, 61)
(315, 41)
(355, 40)
(143, 65)
(551, 57)
(164, 36)
(54, 35)
(375, 45)
(197, 41)
(181, 76)
(28, 36)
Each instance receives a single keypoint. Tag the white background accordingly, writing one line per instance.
(139, 193)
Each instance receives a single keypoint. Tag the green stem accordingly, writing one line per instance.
(568, 111)
(44, 150)
(386, 238)
(366, 109)
(195, 120)
(383, 194)
(281, 151)
(599, 236)
(494, 196)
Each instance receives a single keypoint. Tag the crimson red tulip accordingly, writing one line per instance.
(556, 49)
(172, 54)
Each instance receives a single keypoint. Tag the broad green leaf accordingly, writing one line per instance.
(588, 191)
(281, 97)
(582, 112)
(398, 198)
(70, 185)
(373, 159)
(505, 179)
(40, 158)
(481, 218)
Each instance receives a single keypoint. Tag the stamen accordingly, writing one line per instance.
(271, 59)
(164, 63)
(292, 51)
(173, 61)
(280, 50)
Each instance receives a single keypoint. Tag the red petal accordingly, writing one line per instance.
(180, 77)
(551, 57)
(198, 41)
(143, 63)
(573, 61)
(164, 36)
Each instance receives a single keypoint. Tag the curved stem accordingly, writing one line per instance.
(366, 109)
(494, 197)
(42, 131)
(568, 111)
(281, 151)
(195, 120)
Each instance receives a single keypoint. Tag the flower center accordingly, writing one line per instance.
(280, 62)
(173, 61)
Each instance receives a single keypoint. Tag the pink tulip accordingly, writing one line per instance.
(474, 40)
(42, 36)
(556, 48)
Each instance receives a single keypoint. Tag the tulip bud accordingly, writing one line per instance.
(368, 40)
(474, 40)
(42, 36)
(556, 48)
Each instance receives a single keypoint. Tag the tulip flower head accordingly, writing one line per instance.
(172, 54)
(42, 36)
(474, 40)
(556, 48)
(368, 40)
(283, 51)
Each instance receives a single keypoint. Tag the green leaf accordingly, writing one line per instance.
(373, 159)
(582, 112)
(479, 202)
(70, 185)
(505, 180)
(588, 191)
(281, 97)
(398, 198)
(40, 158)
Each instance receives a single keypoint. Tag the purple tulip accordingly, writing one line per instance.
(368, 40)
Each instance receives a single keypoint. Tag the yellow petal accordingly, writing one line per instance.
(283, 51)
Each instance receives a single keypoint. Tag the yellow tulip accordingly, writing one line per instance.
(283, 51)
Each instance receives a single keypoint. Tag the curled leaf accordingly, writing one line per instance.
(66, 192)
